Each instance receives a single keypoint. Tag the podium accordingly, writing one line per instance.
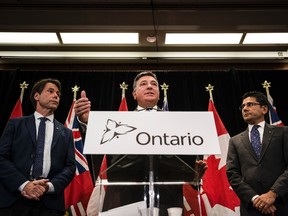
(150, 156)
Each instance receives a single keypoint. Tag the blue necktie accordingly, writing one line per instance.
(255, 140)
(38, 162)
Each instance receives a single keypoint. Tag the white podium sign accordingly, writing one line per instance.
(152, 133)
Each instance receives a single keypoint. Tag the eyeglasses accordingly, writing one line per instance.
(248, 104)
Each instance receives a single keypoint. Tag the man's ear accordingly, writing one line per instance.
(265, 109)
(134, 94)
(36, 96)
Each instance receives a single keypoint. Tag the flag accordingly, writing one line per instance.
(77, 193)
(165, 104)
(123, 105)
(96, 201)
(273, 117)
(17, 111)
(217, 196)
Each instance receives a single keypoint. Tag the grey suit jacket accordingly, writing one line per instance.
(249, 176)
(17, 152)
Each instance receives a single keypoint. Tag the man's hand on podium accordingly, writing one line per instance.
(200, 166)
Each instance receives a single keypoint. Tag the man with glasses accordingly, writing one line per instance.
(257, 161)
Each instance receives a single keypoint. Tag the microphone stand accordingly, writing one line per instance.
(151, 186)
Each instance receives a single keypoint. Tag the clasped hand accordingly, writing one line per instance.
(265, 203)
(35, 189)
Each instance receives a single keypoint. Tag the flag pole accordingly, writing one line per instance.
(75, 89)
(124, 87)
(210, 88)
(164, 87)
(23, 86)
(266, 85)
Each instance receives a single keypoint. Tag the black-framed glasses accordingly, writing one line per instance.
(248, 104)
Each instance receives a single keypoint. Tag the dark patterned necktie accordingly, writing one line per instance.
(255, 140)
(38, 162)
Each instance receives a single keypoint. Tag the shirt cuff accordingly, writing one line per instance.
(254, 197)
(22, 186)
(51, 188)
(82, 125)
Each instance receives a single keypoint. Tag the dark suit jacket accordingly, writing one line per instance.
(249, 176)
(17, 152)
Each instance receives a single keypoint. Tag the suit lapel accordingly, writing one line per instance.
(31, 127)
(268, 131)
(56, 133)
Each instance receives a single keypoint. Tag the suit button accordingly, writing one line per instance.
(32, 155)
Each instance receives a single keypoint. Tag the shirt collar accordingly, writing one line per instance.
(139, 108)
(261, 124)
(38, 115)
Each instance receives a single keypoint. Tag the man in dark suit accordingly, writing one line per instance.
(259, 177)
(23, 191)
(136, 167)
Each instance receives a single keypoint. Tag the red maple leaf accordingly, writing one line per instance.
(217, 187)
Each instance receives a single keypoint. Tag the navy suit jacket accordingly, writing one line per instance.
(249, 176)
(17, 152)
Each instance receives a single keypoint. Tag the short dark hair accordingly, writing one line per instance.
(259, 96)
(39, 86)
(144, 73)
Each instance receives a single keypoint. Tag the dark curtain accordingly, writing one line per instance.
(186, 91)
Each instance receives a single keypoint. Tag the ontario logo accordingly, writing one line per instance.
(115, 129)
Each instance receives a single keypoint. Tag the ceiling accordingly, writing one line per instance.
(148, 17)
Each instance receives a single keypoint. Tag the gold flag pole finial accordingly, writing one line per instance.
(23, 86)
(210, 88)
(164, 87)
(75, 89)
(124, 87)
(267, 85)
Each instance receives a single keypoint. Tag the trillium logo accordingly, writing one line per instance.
(114, 129)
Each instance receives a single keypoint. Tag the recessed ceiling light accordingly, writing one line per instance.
(28, 38)
(266, 38)
(100, 38)
(203, 38)
(151, 38)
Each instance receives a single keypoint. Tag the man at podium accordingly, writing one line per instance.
(137, 167)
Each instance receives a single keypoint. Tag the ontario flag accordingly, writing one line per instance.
(17, 110)
(78, 192)
(96, 201)
(273, 117)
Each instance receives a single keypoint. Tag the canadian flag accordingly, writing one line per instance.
(17, 111)
(216, 196)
